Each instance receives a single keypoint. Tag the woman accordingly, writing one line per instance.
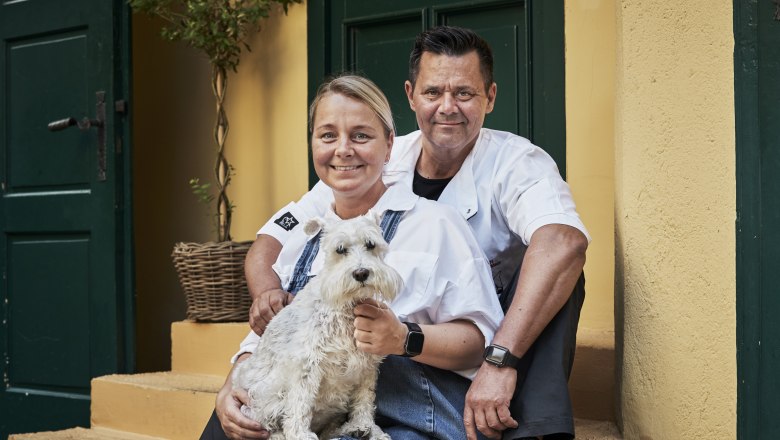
(448, 290)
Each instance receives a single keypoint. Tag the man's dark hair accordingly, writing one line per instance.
(451, 41)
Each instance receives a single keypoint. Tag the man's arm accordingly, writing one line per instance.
(552, 264)
(268, 298)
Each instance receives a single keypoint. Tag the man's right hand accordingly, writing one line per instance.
(234, 423)
(265, 306)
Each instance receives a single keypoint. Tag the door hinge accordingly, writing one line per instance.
(120, 106)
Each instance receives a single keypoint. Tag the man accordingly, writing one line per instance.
(520, 210)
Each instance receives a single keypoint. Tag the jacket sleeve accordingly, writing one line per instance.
(314, 203)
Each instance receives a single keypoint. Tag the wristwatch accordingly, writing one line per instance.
(500, 356)
(414, 340)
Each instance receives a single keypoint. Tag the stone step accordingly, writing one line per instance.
(168, 405)
(592, 381)
(586, 430)
(83, 434)
(205, 348)
(596, 430)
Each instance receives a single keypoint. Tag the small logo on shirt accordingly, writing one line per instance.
(287, 221)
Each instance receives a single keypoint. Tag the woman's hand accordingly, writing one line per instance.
(228, 407)
(378, 330)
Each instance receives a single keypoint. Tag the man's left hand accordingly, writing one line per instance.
(487, 402)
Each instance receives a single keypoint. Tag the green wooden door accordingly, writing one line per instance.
(63, 213)
(375, 38)
(757, 91)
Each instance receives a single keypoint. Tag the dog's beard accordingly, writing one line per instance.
(383, 285)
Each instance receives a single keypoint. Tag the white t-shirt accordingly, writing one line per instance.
(507, 188)
(446, 276)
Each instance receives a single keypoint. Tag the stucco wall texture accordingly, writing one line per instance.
(674, 216)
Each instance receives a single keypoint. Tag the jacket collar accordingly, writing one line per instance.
(460, 193)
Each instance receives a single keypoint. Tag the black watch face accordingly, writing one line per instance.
(496, 355)
(414, 343)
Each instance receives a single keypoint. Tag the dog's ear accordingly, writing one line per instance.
(374, 216)
(313, 225)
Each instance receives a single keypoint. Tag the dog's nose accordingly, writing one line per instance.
(360, 275)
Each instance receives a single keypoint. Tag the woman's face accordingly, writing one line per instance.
(349, 146)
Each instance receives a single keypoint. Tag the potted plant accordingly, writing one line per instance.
(212, 274)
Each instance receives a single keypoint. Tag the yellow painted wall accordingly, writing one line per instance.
(590, 110)
(268, 126)
(173, 116)
(674, 216)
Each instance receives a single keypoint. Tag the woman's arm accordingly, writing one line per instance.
(228, 407)
(455, 345)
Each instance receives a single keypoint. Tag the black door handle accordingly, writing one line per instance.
(86, 124)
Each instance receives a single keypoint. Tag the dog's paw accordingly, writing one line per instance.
(300, 435)
(378, 434)
(366, 431)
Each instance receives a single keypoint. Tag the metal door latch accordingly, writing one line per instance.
(85, 124)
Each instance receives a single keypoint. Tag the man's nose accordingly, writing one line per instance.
(449, 104)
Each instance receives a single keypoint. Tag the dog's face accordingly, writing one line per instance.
(354, 267)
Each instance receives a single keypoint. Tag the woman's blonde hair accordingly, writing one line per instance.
(360, 89)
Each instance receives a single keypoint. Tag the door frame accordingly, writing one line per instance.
(123, 89)
(545, 48)
(749, 288)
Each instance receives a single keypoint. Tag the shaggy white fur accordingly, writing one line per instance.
(306, 379)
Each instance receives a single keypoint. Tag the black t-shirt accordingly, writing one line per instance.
(431, 189)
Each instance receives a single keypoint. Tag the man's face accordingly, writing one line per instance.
(450, 101)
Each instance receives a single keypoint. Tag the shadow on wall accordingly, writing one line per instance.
(173, 114)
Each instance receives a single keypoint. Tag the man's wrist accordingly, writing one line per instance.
(500, 357)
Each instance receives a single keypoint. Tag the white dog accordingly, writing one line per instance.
(306, 378)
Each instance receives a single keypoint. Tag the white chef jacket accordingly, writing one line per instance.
(446, 276)
(507, 188)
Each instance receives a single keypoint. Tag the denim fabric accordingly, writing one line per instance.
(417, 401)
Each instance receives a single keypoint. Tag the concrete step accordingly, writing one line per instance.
(592, 381)
(596, 430)
(586, 430)
(168, 404)
(204, 348)
(83, 434)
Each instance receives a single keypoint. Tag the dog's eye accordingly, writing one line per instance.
(370, 245)
(341, 250)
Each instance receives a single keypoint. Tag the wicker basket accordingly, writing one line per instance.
(212, 277)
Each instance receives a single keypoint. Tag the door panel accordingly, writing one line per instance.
(36, 157)
(63, 248)
(375, 38)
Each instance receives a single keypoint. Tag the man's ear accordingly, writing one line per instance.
(409, 89)
(491, 96)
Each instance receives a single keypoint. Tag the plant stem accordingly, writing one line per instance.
(221, 167)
